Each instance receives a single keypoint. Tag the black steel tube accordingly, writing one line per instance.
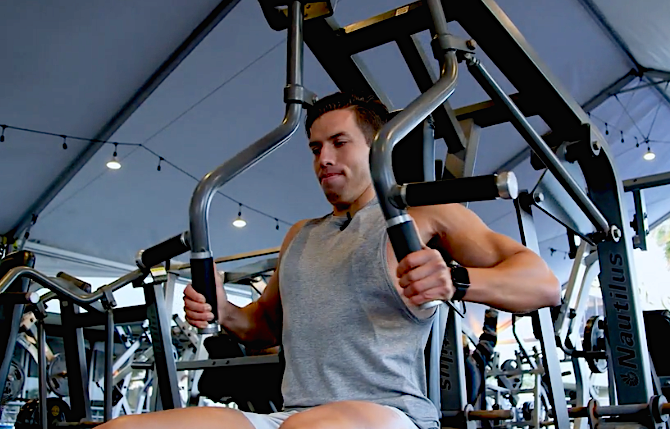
(466, 189)
(82, 299)
(168, 249)
(538, 145)
(109, 363)
(42, 371)
(202, 268)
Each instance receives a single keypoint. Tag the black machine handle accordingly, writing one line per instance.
(465, 189)
(161, 252)
(404, 239)
(18, 298)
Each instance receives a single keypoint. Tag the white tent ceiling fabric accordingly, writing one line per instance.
(67, 68)
(643, 26)
(73, 83)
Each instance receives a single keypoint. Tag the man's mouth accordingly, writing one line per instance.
(329, 176)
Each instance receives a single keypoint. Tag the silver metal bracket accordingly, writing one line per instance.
(300, 94)
(443, 43)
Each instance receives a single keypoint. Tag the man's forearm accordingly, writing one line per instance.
(521, 283)
(248, 325)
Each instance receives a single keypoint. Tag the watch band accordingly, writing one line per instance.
(461, 281)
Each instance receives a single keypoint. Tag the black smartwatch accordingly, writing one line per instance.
(460, 280)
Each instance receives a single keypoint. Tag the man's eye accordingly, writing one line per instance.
(339, 143)
(315, 150)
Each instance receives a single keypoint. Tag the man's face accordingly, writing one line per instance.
(341, 156)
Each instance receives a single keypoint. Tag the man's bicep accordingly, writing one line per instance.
(270, 304)
(470, 241)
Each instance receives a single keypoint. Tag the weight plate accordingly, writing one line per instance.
(594, 340)
(512, 382)
(29, 415)
(57, 376)
(14, 384)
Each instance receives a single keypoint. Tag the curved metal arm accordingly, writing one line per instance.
(202, 263)
(395, 130)
(54, 285)
(400, 227)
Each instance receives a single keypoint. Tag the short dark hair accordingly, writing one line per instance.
(371, 114)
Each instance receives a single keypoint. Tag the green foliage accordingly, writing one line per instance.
(662, 236)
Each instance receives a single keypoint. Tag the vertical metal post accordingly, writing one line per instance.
(583, 388)
(109, 361)
(551, 363)
(641, 225)
(75, 362)
(452, 371)
(169, 292)
(536, 402)
(618, 282)
(161, 339)
(42, 371)
(434, 348)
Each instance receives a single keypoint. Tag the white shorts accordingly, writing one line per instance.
(274, 420)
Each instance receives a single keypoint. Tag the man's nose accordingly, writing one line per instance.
(327, 156)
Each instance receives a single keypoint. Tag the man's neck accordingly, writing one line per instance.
(360, 202)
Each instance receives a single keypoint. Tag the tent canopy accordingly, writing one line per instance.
(70, 69)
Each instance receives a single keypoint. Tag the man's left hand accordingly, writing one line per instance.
(425, 277)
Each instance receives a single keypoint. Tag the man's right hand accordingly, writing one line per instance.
(198, 311)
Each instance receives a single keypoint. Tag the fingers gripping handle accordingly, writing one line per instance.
(204, 282)
(405, 240)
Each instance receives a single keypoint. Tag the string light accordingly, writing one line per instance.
(239, 222)
(607, 131)
(622, 140)
(114, 164)
(649, 155)
(637, 143)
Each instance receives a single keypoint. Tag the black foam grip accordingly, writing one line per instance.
(404, 239)
(204, 282)
(462, 190)
(170, 248)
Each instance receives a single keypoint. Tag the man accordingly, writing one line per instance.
(346, 312)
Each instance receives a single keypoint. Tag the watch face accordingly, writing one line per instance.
(460, 275)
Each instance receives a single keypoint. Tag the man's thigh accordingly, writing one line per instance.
(180, 418)
(349, 415)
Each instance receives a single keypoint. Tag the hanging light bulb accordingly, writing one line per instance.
(607, 130)
(239, 222)
(160, 159)
(114, 164)
(64, 142)
(2, 136)
(277, 225)
(649, 155)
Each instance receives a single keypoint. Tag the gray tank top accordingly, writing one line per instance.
(347, 334)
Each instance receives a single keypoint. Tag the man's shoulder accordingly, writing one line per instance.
(293, 231)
